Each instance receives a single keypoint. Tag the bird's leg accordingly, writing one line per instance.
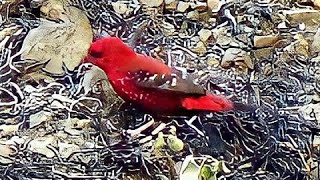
(132, 115)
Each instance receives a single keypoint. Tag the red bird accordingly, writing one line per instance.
(149, 83)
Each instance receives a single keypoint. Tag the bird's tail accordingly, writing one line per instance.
(208, 103)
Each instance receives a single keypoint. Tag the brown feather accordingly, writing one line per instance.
(169, 82)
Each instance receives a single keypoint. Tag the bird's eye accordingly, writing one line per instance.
(96, 50)
(96, 54)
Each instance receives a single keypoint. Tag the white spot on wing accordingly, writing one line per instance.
(121, 81)
(153, 77)
(174, 82)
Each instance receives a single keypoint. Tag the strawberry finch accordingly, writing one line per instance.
(148, 83)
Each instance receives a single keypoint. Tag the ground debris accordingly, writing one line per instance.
(62, 120)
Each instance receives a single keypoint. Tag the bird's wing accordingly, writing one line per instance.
(175, 82)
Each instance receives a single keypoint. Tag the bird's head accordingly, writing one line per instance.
(109, 50)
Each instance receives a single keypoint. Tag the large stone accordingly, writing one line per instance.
(59, 43)
(265, 41)
(307, 16)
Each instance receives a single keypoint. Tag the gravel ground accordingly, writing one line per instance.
(60, 119)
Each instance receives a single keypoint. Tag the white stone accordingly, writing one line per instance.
(152, 3)
(8, 129)
(204, 34)
(193, 15)
(168, 1)
(231, 55)
(213, 4)
(282, 25)
(39, 145)
(119, 7)
(38, 118)
(182, 6)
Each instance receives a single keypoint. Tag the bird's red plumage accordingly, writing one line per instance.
(148, 82)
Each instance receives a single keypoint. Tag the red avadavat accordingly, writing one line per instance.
(149, 83)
